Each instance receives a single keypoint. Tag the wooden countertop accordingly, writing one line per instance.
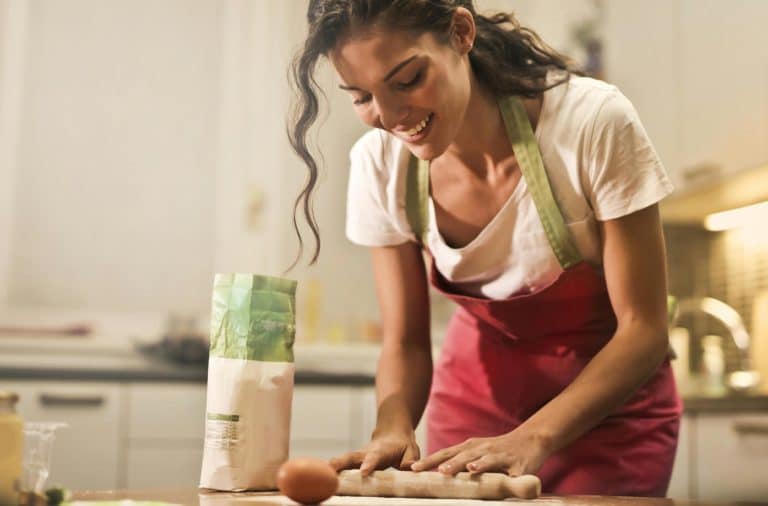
(195, 497)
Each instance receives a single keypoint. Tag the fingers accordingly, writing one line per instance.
(487, 463)
(410, 456)
(370, 462)
(347, 461)
(379, 455)
(458, 462)
(437, 458)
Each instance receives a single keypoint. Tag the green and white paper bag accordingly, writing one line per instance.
(250, 381)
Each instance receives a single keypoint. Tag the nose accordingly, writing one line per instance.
(391, 112)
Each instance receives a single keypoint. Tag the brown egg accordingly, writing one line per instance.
(307, 480)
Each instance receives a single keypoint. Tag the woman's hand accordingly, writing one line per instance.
(385, 450)
(515, 453)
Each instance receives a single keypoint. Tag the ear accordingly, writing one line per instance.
(463, 30)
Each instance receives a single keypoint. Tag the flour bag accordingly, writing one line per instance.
(250, 381)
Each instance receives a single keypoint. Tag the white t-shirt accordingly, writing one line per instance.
(600, 163)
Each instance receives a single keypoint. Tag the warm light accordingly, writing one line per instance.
(756, 214)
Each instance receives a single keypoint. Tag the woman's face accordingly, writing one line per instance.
(413, 86)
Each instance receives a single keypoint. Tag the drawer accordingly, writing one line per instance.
(86, 453)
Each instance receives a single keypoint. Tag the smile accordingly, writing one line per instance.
(421, 126)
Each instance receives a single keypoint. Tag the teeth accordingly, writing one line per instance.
(418, 128)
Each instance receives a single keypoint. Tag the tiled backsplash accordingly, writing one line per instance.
(731, 266)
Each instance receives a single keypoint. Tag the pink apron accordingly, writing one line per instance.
(502, 360)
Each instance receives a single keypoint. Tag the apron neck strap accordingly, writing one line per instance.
(526, 151)
(417, 197)
(528, 156)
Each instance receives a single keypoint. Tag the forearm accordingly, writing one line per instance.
(403, 380)
(624, 365)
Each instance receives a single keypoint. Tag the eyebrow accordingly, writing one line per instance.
(387, 77)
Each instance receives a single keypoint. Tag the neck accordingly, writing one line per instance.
(481, 143)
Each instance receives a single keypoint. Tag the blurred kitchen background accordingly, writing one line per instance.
(143, 149)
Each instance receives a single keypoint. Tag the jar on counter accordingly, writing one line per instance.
(11, 442)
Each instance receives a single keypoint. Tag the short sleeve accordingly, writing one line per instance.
(369, 223)
(624, 173)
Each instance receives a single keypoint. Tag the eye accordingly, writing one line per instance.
(362, 100)
(411, 83)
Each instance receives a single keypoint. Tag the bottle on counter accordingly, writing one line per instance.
(713, 364)
(679, 338)
(11, 445)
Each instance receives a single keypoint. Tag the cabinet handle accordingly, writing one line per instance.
(71, 400)
(750, 428)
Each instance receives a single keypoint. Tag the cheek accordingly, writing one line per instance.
(438, 91)
(366, 115)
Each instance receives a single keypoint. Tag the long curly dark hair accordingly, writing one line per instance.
(507, 58)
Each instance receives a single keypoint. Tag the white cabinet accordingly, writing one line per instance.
(680, 484)
(325, 420)
(163, 465)
(724, 65)
(146, 435)
(732, 457)
(85, 454)
(698, 79)
(164, 439)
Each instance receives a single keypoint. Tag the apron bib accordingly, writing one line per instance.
(502, 360)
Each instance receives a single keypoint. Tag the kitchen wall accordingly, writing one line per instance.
(113, 161)
(731, 266)
(142, 149)
(145, 150)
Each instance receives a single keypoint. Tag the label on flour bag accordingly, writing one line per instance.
(221, 431)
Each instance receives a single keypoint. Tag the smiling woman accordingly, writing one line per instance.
(533, 192)
(505, 56)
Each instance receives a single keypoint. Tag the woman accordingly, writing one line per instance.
(534, 193)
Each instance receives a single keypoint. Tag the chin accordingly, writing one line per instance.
(427, 151)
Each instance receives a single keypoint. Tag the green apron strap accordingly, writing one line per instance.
(417, 196)
(528, 157)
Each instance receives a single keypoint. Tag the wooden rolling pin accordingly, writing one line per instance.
(392, 483)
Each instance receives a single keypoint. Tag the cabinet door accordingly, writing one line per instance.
(322, 421)
(724, 104)
(86, 453)
(732, 457)
(163, 466)
(679, 486)
(166, 428)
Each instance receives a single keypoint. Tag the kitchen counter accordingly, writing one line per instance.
(189, 497)
(726, 402)
(86, 359)
(129, 365)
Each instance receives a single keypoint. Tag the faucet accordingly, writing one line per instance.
(745, 377)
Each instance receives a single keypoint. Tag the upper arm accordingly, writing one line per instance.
(623, 173)
(635, 268)
(402, 292)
